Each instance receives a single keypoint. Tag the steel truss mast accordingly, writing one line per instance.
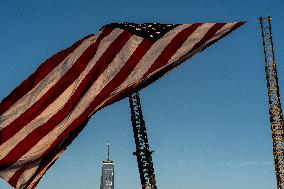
(275, 111)
(143, 153)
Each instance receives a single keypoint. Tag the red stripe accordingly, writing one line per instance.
(42, 71)
(36, 135)
(211, 32)
(52, 94)
(134, 59)
(118, 96)
(238, 24)
(171, 48)
(47, 161)
(15, 178)
(34, 184)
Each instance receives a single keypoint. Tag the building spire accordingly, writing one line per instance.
(107, 178)
(108, 150)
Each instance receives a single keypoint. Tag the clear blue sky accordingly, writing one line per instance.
(207, 120)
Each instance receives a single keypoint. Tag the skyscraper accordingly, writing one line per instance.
(107, 178)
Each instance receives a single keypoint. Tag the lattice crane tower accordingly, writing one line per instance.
(275, 111)
(143, 153)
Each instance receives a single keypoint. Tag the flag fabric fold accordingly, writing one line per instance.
(45, 113)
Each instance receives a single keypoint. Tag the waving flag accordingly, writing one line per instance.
(43, 115)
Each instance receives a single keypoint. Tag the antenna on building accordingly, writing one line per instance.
(107, 178)
(108, 150)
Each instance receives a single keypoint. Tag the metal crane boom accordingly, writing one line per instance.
(143, 153)
(275, 111)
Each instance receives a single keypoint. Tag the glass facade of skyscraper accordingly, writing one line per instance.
(107, 178)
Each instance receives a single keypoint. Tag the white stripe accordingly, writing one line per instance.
(108, 74)
(27, 174)
(8, 173)
(194, 38)
(58, 104)
(222, 31)
(43, 86)
(39, 175)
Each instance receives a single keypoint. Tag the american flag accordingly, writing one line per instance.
(46, 112)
